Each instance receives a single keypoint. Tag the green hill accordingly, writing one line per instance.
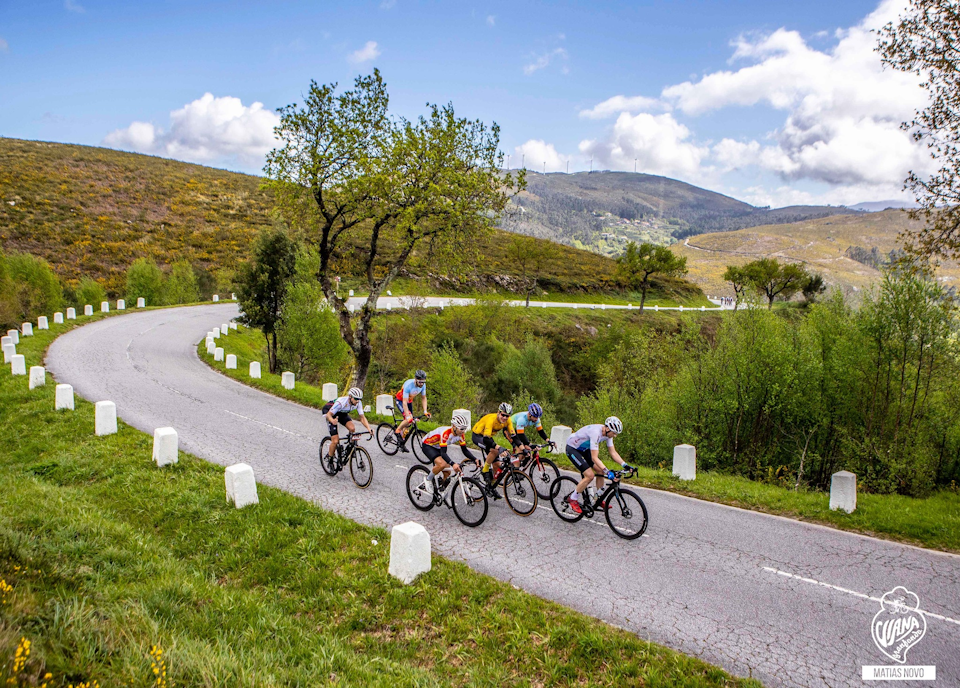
(93, 211)
(602, 211)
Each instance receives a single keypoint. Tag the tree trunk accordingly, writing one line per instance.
(272, 351)
(643, 296)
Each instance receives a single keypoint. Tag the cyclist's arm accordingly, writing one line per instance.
(543, 433)
(366, 423)
(597, 463)
(615, 455)
(469, 454)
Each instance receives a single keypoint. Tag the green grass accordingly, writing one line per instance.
(932, 522)
(109, 556)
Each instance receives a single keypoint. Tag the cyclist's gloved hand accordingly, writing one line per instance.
(427, 414)
(627, 467)
(611, 475)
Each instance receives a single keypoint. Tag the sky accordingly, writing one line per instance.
(771, 103)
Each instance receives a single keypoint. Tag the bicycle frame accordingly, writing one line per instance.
(343, 453)
(614, 487)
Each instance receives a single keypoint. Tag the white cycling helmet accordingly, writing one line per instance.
(459, 422)
(505, 408)
(355, 393)
(613, 423)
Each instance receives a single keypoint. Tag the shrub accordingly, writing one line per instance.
(145, 280)
(181, 286)
(89, 292)
(450, 385)
(33, 287)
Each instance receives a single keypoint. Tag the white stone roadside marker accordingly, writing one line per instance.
(329, 391)
(141, 302)
(105, 418)
(165, 446)
(104, 306)
(42, 323)
(409, 551)
(216, 298)
(58, 318)
(211, 346)
(843, 491)
(88, 310)
(384, 404)
(559, 434)
(218, 354)
(9, 351)
(18, 365)
(71, 314)
(465, 412)
(241, 485)
(215, 333)
(121, 305)
(14, 336)
(27, 329)
(255, 369)
(38, 377)
(233, 325)
(288, 380)
(224, 329)
(64, 398)
(685, 462)
(231, 361)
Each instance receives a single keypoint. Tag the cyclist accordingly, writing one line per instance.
(436, 442)
(519, 421)
(338, 412)
(417, 385)
(583, 450)
(483, 433)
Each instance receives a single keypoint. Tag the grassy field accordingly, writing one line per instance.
(933, 522)
(821, 244)
(113, 569)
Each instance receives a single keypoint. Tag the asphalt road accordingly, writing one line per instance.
(397, 302)
(787, 602)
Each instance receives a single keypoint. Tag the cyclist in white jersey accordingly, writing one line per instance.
(337, 412)
(583, 450)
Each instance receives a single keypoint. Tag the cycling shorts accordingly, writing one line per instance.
(519, 439)
(433, 453)
(342, 418)
(581, 463)
(408, 414)
(484, 442)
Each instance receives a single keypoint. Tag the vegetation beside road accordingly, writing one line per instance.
(110, 559)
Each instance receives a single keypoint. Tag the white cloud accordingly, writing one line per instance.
(491, 20)
(73, 6)
(617, 104)
(368, 52)
(388, 4)
(544, 60)
(535, 152)
(658, 143)
(207, 130)
(4, 46)
(842, 109)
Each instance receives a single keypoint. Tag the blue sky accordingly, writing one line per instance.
(774, 103)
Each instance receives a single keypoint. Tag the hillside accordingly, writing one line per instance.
(93, 211)
(602, 211)
(846, 249)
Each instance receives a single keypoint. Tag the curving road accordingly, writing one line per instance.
(786, 602)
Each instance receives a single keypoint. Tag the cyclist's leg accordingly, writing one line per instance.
(439, 464)
(407, 416)
(334, 437)
(350, 426)
(582, 464)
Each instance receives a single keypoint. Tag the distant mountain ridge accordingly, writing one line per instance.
(879, 206)
(601, 211)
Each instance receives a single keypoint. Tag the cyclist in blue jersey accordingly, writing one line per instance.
(583, 450)
(415, 386)
(533, 416)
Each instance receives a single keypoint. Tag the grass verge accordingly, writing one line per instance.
(932, 522)
(120, 573)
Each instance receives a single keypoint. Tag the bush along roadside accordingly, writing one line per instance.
(119, 573)
(932, 522)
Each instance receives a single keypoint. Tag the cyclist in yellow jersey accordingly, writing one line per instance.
(483, 433)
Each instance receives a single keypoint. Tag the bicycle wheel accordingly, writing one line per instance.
(415, 440)
(384, 430)
(361, 467)
(562, 488)
(626, 514)
(520, 493)
(420, 488)
(469, 502)
(544, 476)
(327, 463)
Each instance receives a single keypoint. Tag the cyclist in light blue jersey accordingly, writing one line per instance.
(532, 417)
(415, 386)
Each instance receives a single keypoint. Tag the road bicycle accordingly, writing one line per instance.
(348, 452)
(464, 495)
(625, 512)
(387, 435)
(518, 487)
(543, 472)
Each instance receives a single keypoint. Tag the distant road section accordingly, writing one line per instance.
(395, 302)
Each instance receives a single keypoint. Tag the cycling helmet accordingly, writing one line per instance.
(459, 422)
(355, 393)
(613, 423)
(421, 375)
(505, 408)
(535, 410)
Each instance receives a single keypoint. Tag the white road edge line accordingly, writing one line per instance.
(849, 592)
(260, 422)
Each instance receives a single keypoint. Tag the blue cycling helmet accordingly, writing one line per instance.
(535, 410)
